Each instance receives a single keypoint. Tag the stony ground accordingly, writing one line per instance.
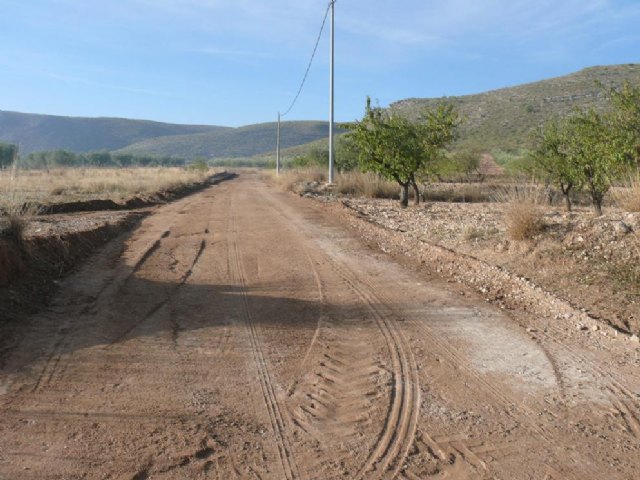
(592, 262)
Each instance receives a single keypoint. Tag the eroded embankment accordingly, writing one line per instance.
(29, 270)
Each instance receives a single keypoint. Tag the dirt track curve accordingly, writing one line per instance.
(244, 333)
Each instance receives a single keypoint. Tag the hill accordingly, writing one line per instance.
(499, 120)
(35, 132)
(504, 119)
(239, 142)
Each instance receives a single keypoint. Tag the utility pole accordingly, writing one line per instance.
(331, 98)
(278, 148)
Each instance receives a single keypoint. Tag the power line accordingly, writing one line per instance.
(315, 48)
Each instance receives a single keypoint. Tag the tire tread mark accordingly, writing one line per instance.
(401, 424)
(285, 453)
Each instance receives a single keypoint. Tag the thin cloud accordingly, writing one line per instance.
(225, 52)
(110, 86)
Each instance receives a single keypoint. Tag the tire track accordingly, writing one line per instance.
(386, 459)
(276, 418)
(333, 402)
(394, 443)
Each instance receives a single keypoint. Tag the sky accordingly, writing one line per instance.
(239, 62)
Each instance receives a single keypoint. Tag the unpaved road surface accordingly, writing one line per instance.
(244, 333)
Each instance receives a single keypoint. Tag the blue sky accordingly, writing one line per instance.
(238, 62)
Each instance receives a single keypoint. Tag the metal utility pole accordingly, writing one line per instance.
(331, 99)
(278, 148)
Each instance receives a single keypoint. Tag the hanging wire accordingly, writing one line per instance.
(315, 48)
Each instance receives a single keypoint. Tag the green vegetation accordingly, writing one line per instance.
(399, 149)
(506, 119)
(240, 142)
(7, 153)
(63, 158)
(551, 162)
(591, 149)
(501, 122)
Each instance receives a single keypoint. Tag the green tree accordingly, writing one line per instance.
(626, 119)
(7, 154)
(346, 154)
(394, 147)
(598, 152)
(551, 160)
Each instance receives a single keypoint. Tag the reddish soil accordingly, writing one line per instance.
(243, 332)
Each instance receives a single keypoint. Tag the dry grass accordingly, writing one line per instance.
(22, 191)
(15, 210)
(523, 215)
(367, 185)
(628, 196)
(65, 185)
(293, 179)
(460, 193)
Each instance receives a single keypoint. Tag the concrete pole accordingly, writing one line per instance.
(331, 96)
(278, 148)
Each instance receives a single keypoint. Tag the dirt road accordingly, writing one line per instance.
(243, 332)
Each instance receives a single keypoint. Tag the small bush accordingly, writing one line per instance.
(199, 165)
(523, 214)
(471, 233)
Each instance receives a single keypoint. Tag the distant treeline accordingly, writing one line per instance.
(63, 158)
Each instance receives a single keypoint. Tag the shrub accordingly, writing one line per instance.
(523, 214)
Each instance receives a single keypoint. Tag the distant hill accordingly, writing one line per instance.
(48, 132)
(232, 143)
(496, 120)
(504, 119)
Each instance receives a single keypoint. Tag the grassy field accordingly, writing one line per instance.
(67, 185)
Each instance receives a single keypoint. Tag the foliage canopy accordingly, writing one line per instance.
(396, 148)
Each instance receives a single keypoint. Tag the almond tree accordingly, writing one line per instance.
(552, 162)
(397, 149)
(597, 151)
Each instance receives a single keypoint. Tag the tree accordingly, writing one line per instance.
(552, 162)
(394, 147)
(626, 119)
(7, 154)
(598, 153)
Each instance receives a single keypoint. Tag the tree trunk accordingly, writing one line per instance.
(549, 195)
(416, 192)
(404, 195)
(596, 199)
(566, 192)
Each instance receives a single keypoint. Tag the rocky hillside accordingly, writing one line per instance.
(503, 119)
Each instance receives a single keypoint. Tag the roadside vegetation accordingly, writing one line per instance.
(577, 158)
